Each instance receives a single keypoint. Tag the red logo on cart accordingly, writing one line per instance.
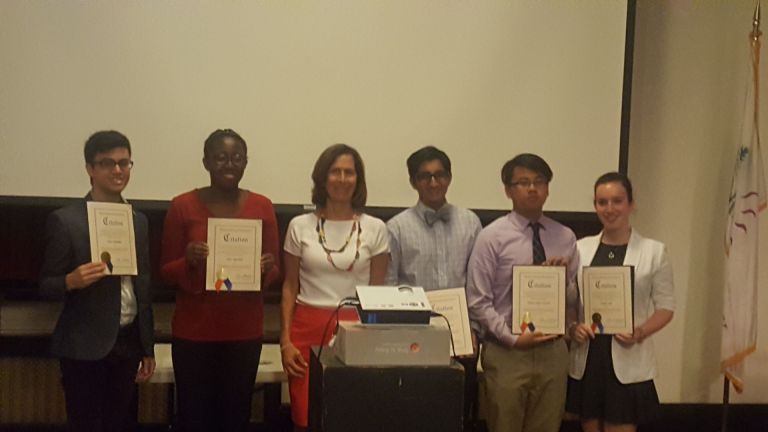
(415, 347)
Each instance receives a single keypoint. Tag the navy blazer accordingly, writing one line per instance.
(89, 322)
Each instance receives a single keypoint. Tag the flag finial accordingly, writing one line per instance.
(756, 33)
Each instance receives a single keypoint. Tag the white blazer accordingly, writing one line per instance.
(653, 290)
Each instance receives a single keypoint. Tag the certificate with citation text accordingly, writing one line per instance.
(112, 238)
(608, 305)
(452, 303)
(234, 255)
(538, 299)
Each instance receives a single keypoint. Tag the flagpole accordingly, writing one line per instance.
(726, 397)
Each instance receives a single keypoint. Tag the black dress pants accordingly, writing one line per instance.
(470, 389)
(100, 395)
(214, 384)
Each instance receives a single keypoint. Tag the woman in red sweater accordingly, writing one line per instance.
(217, 336)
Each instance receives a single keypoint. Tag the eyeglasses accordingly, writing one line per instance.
(526, 184)
(426, 177)
(236, 159)
(110, 164)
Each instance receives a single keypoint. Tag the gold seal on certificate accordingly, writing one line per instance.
(234, 258)
(452, 303)
(608, 299)
(113, 241)
(538, 299)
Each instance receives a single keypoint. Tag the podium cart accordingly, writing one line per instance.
(376, 398)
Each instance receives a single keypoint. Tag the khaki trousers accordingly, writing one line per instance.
(525, 388)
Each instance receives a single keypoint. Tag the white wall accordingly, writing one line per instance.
(690, 72)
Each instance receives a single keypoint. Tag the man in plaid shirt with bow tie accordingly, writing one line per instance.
(430, 243)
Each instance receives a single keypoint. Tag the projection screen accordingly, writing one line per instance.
(482, 80)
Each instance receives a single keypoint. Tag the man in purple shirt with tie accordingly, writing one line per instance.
(525, 375)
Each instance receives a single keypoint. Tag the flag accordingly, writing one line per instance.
(747, 199)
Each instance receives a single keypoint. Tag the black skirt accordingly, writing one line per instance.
(600, 395)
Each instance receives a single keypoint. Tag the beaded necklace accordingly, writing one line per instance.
(321, 238)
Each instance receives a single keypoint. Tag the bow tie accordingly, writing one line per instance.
(431, 216)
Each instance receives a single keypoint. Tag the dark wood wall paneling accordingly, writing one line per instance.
(22, 236)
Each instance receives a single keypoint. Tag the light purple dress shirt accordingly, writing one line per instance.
(506, 242)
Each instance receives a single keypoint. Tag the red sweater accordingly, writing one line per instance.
(209, 316)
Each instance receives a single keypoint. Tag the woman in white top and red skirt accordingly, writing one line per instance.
(611, 376)
(327, 254)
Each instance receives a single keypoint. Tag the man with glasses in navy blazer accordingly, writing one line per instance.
(104, 337)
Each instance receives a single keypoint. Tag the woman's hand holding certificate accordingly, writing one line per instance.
(196, 253)
(267, 263)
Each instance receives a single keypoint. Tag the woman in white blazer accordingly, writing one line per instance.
(611, 377)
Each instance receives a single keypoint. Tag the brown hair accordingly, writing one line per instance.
(323, 166)
(616, 177)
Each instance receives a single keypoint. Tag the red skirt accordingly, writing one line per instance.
(307, 328)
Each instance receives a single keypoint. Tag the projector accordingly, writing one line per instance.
(393, 305)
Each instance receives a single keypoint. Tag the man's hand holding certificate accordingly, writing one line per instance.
(234, 259)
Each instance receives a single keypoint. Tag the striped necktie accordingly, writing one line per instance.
(539, 256)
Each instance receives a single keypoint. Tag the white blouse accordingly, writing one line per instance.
(320, 284)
